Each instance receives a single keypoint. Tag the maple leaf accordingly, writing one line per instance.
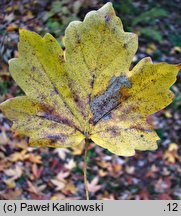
(87, 92)
(93, 185)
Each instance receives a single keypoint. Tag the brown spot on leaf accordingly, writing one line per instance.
(107, 18)
(60, 137)
(33, 69)
(50, 114)
(125, 45)
(78, 38)
(140, 128)
(92, 81)
(56, 90)
(114, 132)
(124, 94)
(61, 58)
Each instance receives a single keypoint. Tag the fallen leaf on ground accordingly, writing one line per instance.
(70, 164)
(93, 185)
(171, 154)
(59, 184)
(62, 152)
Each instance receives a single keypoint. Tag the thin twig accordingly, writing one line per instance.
(85, 169)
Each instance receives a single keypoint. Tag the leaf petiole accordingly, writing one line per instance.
(85, 169)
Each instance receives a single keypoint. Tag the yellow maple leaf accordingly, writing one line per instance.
(87, 92)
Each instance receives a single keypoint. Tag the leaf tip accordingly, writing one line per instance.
(11, 60)
(3, 106)
(179, 66)
(21, 30)
(107, 9)
(107, 5)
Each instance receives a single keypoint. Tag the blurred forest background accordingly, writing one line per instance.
(46, 173)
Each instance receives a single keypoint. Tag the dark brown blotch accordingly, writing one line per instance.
(61, 58)
(50, 114)
(107, 18)
(59, 137)
(92, 81)
(33, 69)
(114, 132)
(55, 90)
(125, 45)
